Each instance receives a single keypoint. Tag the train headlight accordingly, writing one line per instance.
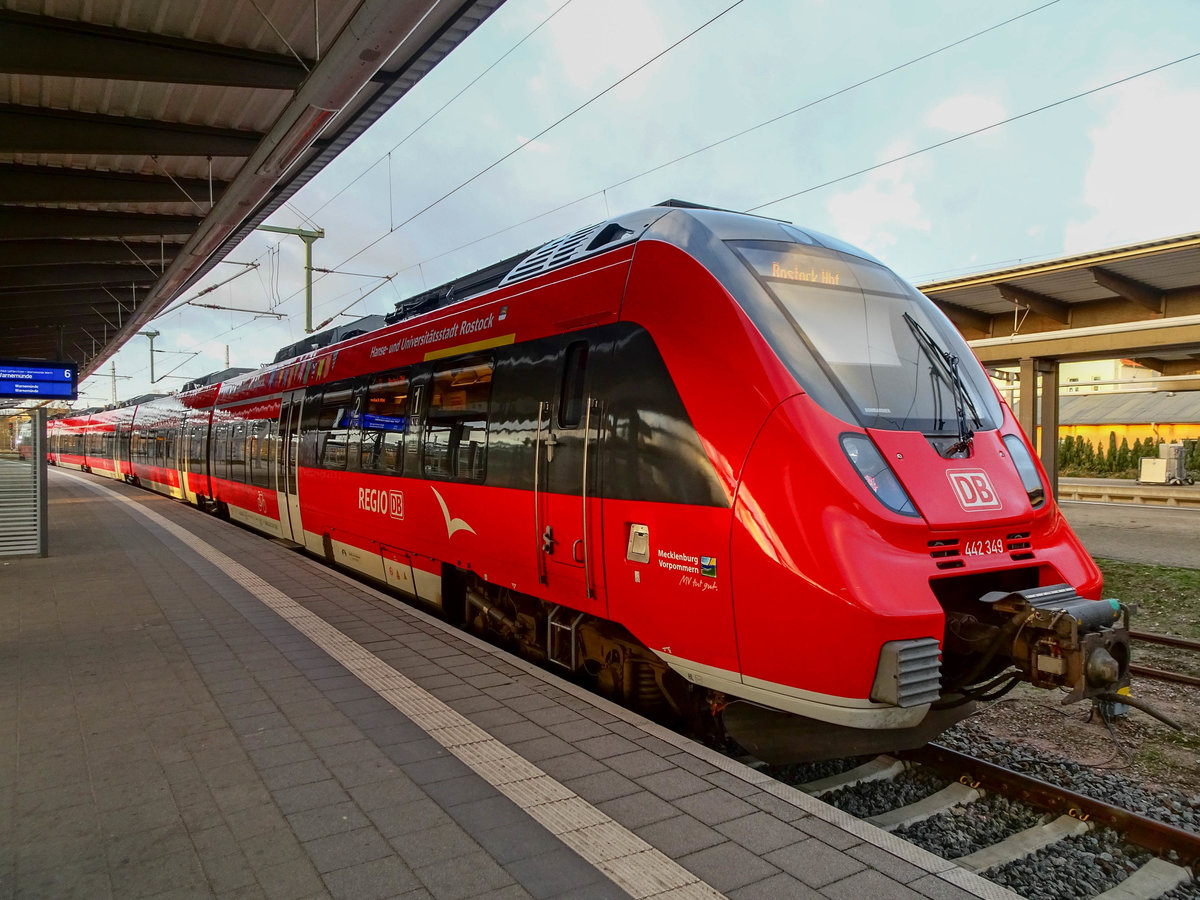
(876, 475)
(1019, 454)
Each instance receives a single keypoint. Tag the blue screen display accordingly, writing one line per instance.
(20, 379)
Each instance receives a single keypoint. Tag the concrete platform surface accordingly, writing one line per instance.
(190, 710)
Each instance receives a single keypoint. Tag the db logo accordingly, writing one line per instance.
(973, 489)
(385, 503)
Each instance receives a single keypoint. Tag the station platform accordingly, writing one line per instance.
(188, 709)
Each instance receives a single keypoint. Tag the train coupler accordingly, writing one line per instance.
(1062, 640)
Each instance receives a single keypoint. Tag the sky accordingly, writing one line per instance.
(942, 136)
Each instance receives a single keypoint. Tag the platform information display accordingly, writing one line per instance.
(34, 379)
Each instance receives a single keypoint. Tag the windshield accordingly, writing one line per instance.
(890, 353)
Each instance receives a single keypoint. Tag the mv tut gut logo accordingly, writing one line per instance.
(973, 489)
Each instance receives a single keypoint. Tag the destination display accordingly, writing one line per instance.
(25, 379)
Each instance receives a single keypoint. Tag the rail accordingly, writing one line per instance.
(1165, 640)
(1155, 836)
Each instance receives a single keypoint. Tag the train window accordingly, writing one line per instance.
(220, 450)
(310, 438)
(455, 443)
(570, 401)
(237, 453)
(338, 419)
(384, 421)
(258, 447)
(883, 345)
(197, 450)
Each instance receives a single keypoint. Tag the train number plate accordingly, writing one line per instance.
(983, 548)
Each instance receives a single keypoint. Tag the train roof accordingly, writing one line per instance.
(212, 378)
(601, 237)
(334, 335)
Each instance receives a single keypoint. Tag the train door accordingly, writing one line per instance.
(287, 460)
(121, 454)
(183, 448)
(567, 519)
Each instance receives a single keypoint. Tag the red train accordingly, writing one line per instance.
(715, 462)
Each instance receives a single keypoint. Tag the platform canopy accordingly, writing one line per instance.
(140, 142)
(1139, 302)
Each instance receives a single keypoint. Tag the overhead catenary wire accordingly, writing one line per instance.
(764, 204)
(602, 191)
(433, 115)
(207, 290)
(812, 188)
(973, 132)
(833, 95)
(387, 279)
(540, 134)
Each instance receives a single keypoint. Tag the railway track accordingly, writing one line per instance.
(1037, 839)
(1165, 640)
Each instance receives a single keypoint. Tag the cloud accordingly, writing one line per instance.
(592, 43)
(965, 113)
(873, 215)
(1140, 183)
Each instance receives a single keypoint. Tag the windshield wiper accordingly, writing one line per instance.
(948, 364)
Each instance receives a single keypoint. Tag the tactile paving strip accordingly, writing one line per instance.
(632, 864)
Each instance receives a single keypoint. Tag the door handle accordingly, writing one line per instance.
(575, 551)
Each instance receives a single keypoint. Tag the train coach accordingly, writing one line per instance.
(716, 463)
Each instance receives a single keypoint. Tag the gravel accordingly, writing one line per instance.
(1188, 891)
(802, 773)
(1081, 866)
(965, 829)
(1169, 805)
(1078, 867)
(874, 797)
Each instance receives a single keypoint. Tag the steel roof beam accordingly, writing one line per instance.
(60, 252)
(38, 222)
(965, 318)
(1039, 303)
(377, 32)
(64, 296)
(58, 184)
(43, 45)
(1168, 367)
(31, 129)
(1150, 338)
(115, 277)
(1134, 291)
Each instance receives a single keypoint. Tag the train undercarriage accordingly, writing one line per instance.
(1049, 637)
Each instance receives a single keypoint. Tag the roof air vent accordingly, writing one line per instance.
(552, 255)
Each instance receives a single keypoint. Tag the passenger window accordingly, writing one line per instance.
(336, 420)
(570, 401)
(258, 453)
(220, 450)
(384, 421)
(456, 425)
(237, 453)
(308, 453)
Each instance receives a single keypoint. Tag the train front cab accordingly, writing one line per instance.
(859, 486)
